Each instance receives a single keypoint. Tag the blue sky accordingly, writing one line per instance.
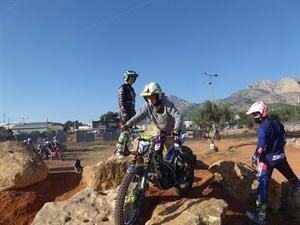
(64, 60)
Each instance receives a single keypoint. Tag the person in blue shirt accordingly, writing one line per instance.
(271, 155)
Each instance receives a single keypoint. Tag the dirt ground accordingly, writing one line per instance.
(19, 207)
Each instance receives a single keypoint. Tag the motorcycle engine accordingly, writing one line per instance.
(166, 181)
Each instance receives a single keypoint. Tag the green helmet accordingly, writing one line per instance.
(130, 73)
(152, 89)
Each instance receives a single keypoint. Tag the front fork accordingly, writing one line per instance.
(134, 166)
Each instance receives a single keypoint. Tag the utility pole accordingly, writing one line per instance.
(11, 119)
(210, 83)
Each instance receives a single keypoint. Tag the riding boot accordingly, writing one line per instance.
(119, 152)
(260, 216)
(122, 141)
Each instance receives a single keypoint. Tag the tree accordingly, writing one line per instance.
(72, 124)
(7, 132)
(209, 113)
(225, 116)
(68, 125)
(283, 115)
(246, 120)
(110, 116)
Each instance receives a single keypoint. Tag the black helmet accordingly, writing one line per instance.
(77, 163)
(130, 73)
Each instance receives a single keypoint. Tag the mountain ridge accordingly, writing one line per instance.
(285, 93)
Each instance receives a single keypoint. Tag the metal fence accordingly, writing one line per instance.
(62, 137)
(83, 137)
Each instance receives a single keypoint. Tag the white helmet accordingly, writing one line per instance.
(260, 107)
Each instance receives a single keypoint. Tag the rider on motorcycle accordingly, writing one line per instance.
(47, 146)
(162, 112)
(55, 142)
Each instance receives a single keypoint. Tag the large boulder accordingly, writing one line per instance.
(86, 207)
(206, 211)
(94, 207)
(237, 178)
(290, 200)
(19, 166)
(106, 175)
(240, 181)
(91, 207)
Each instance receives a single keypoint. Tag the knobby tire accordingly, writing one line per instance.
(63, 147)
(130, 198)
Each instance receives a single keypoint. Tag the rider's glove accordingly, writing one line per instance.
(254, 161)
(176, 135)
(125, 115)
(177, 140)
(176, 132)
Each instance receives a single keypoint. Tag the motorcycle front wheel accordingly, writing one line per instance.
(130, 197)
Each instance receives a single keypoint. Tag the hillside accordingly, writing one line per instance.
(285, 93)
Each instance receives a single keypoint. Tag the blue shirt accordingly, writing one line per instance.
(271, 141)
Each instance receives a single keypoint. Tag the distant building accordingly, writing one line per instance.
(9, 125)
(84, 128)
(35, 126)
(105, 125)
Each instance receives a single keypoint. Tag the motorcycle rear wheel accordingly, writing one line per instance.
(63, 147)
(130, 198)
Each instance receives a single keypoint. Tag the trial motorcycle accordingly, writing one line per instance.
(148, 169)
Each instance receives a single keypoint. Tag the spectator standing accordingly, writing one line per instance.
(126, 100)
(271, 155)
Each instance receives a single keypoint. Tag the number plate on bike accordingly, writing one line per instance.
(144, 146)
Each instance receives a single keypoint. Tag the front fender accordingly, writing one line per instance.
(133, 168)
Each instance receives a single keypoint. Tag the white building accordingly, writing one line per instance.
(36, 126)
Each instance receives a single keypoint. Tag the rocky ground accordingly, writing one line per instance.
(20, 206)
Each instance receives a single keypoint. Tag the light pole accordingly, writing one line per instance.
(74, 125)
(210, 83)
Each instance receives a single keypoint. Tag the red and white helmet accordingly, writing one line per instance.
(260, 107)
